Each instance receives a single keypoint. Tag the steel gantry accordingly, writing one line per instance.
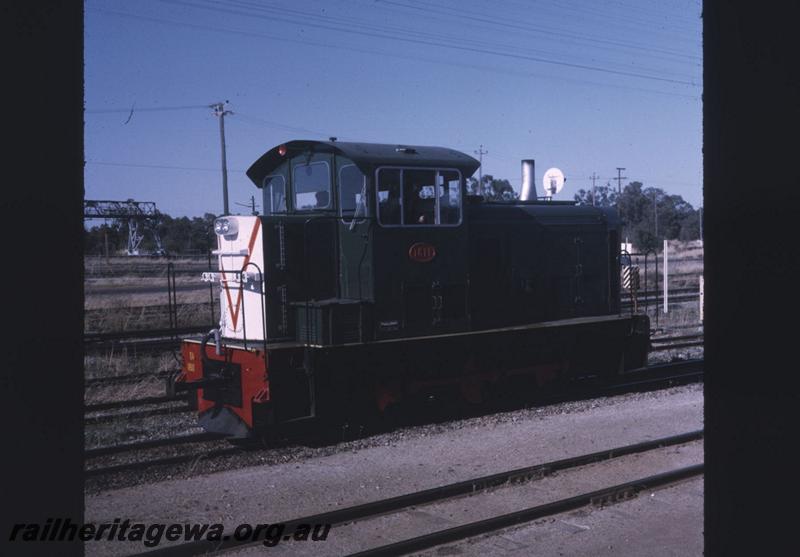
(138, 215)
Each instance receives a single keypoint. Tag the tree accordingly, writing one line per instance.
(648, 215)
(94, 239)
(603, 196)
(178, 235)
(492, 189)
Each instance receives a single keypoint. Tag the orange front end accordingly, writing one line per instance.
(232, 389)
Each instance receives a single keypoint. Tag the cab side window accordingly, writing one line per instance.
(389, 196)
(449, 188)
(352, 193)
(418, 197)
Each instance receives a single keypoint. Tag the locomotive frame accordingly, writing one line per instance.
(399, 283)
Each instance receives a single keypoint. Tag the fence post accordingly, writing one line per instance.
(701, 299)
(666, 279)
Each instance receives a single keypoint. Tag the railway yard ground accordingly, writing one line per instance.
(280, 484)
(148, 461)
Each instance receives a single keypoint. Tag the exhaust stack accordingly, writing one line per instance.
(528, 180)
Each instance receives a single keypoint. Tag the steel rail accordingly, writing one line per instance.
(668, 373)
(99, 406)
(150, 334)
(174, 342)
(150, 444)
(665, 347)
(106, 418)
(127, 378)
(601, 496)
(654, 382)
(662, 339)
(457, 489)
(170, 460)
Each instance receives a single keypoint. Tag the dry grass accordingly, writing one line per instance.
(682, 315)
(94, 264)
(145, 299)
(114, 363)
(109, 283)
(685, 266)
(136, 313)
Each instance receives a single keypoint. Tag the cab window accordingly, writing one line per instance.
(419, 197)
(389, 196)
(312, 186)
(274, 194)
(352, 193)
(449, 184)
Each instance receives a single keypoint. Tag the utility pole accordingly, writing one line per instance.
(252, 205)
(219, 110)
(655, 212)
(620, 178)
(701, 224)
(594, 189)
(480, 152)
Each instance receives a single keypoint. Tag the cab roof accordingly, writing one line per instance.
(367, 156)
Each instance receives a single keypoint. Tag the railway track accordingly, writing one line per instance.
(652, 377)
(92, 338)
(199, 307)
(165, 337)
(154, 309)
(658, 342)
(129, 403)
(149, 444)
(626, 303)
(126, 378)
(136, 414)
(518, 478)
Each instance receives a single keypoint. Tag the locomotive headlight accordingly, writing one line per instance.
(225, 226)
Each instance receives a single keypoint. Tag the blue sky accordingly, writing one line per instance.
(586, 86)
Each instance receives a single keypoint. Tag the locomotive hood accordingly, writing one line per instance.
(367, 156)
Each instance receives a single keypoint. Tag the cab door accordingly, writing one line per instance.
(420, 255)
(355, 232)
(311, 228)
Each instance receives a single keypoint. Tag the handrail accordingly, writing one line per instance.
(260, 281)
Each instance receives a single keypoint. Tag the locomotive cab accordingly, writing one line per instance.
(366, 241)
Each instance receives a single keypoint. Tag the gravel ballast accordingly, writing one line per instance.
(275, 485)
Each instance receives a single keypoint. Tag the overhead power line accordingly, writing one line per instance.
(150, 109)
(459, 12)
(161, 166)
(426, 42)
(321, 44)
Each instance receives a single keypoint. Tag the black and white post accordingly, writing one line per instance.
(666, 278)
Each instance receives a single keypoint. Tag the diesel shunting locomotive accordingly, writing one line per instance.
(373, 276)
